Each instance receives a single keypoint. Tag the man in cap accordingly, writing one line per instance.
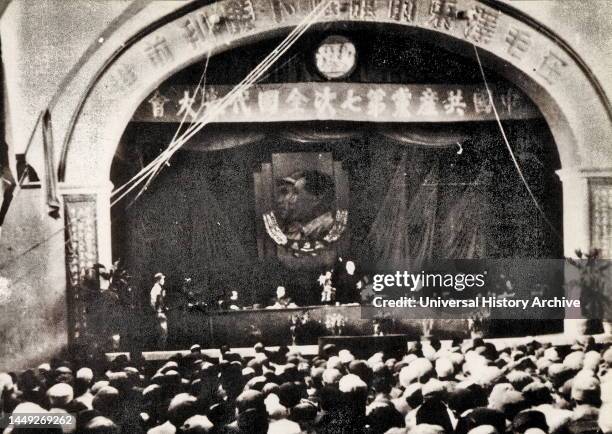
(585, 395)
(284, 426)
(60, 395)
(158, 293)
(197, 424)
(605, 419)
(82, 383)
(106, 401)
(251, 414)
(529, 419)
(158, 303)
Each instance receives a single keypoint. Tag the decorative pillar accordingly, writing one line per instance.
(601, 231)
(576, 225)
(88, 241)
(587, 223)
(601, 214)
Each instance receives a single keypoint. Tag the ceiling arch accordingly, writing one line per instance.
(530, 56)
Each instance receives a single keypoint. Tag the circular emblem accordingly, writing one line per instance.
(336, 57)
(306, 246)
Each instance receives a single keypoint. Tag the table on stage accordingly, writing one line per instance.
(300, 325)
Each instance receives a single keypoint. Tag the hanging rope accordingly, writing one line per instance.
(227, 100)
(512, 156)
(201, 84)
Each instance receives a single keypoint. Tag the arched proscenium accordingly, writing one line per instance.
(542, 66)
(530, 56)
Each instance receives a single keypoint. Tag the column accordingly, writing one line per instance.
(587, 223)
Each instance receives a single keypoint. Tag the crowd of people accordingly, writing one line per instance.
(468, 387)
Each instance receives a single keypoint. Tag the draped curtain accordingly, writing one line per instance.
(408, 227)
(463, 232)
(215, 244)
(403, 233)
(415, 224)
(218, 217)
(198, 221)
(231, 136)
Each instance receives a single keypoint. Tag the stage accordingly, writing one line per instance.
(558, 339)
(301, 326)
(263, 200)
(305, 325)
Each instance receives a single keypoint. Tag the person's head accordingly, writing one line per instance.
(60, 395)
(486, 416)
(350, 267)
(181, 407)
(519, 379)
(250, 399)
(434, 412)
(586, 390)
(461, 400)
(304, 195)
(605, 418)
(444, 368)
(100, 425)
(355, 366)
(419, 369)
(331, 398)
(529, 419)
(251, 412)
(331, 376)
(413, 395)
(106, 401)
(537, 393)
(383, 416)
(160, 279)
(354, 391)
(82, 381)
(289, 394)
(197, 424)
(280, 292)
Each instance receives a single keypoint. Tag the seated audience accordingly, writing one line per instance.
(435, 388)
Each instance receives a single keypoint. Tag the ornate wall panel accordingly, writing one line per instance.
(601, 215)
(81, 255)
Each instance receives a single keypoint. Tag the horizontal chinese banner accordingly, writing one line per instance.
(339, 101)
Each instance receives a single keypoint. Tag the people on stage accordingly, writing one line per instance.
(281, 300)
(158, 303)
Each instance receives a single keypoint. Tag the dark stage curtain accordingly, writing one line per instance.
(416, 223)
(463, 231)
(403, 233)
(217, 254)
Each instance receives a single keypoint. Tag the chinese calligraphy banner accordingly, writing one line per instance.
(339, 101)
